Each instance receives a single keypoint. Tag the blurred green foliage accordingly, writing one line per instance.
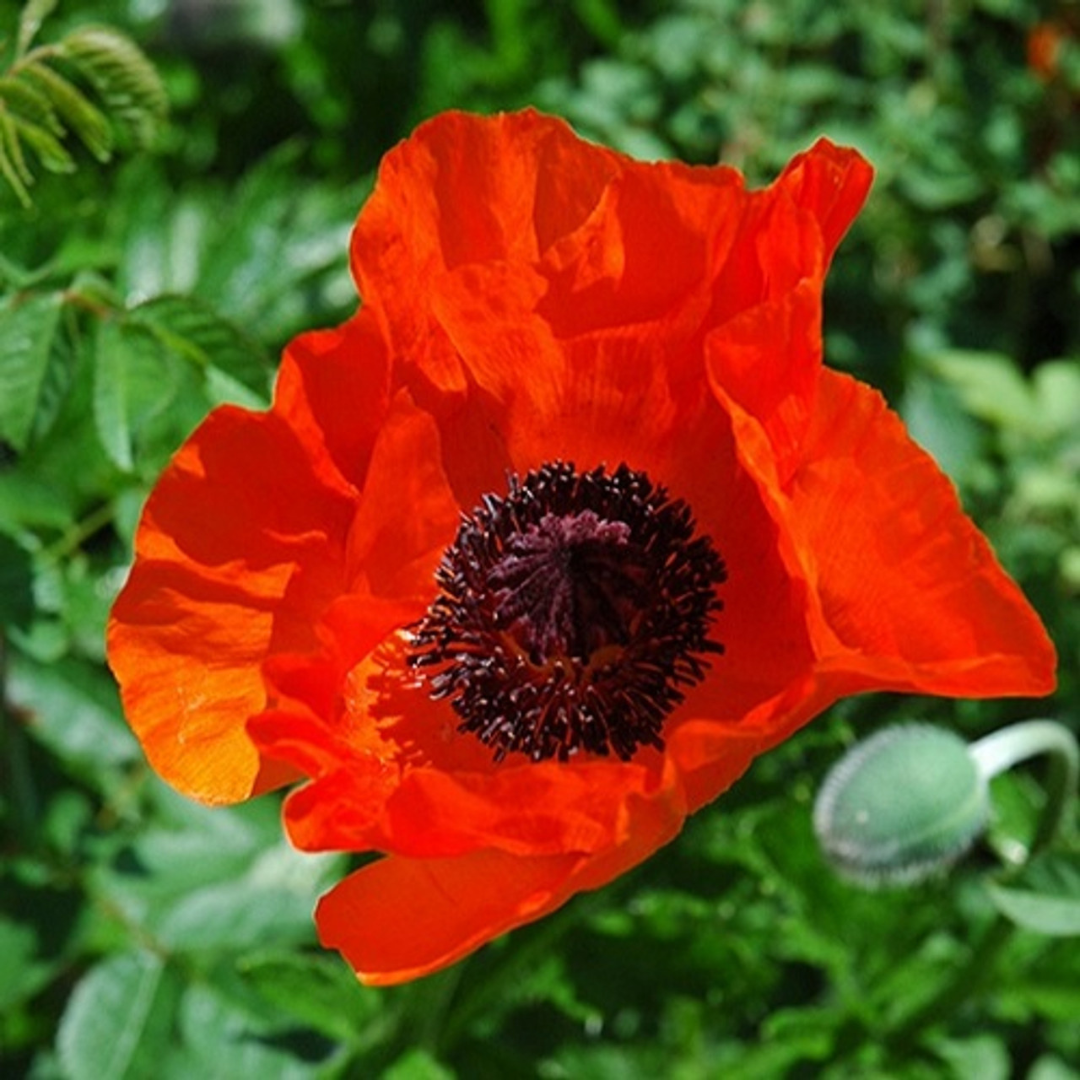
(141, 935)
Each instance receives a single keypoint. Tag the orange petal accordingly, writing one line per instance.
(466, 189)
(830, 182)
(238, 550)
(531, 809)
(764, 348)
(909, 587)
(333, 390)
(400, 918)
(407, 513)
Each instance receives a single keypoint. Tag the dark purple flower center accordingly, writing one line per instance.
(571, 614)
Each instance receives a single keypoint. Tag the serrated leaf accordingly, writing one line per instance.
(57, 381)
(88, 122)
(119, 1019)
(28, 325)
(34, 13)
(128, 83)
(196, 332)
(131, 382)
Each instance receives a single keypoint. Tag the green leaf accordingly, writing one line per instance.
(132, 382)
(197, 333)
(984, 1056)
(128, 83)
(222, 1039)
(318, 991)
(1050, 1067)
(218, 879)
(16, 590)
(417, 1064)
(27, 327)
(937, 422)
(23, 972)
(990, 386)
(1057, 395)
(28, 502)
(73, 709)
(119, 1020)
(1047, 900)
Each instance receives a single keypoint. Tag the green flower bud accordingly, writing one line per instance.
(901, 806)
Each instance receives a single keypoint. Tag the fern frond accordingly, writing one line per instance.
(119, 71)
(86, 121)
(41, 104)
(48, 148)
(21, 96)
(13, 165)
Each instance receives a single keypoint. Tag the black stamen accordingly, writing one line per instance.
(570, 613)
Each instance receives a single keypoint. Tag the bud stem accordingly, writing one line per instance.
(1003, 749)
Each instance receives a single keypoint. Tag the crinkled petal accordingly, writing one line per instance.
(764, 347)
(528, 809)
(239, 549)
(407, 513)
(333, 390)
(400, 918)
(908, 586)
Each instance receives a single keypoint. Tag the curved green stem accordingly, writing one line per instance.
(1003, 749)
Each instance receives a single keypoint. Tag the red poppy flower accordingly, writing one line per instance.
(1044, 46)
(533, 556)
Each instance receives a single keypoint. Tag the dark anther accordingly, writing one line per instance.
(571, 614)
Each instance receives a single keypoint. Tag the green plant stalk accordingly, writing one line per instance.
(994, 754)
(1003, 749)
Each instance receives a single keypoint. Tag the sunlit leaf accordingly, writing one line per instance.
(119, 1020)
(990, 386)
(73, 709)
(194, 331)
